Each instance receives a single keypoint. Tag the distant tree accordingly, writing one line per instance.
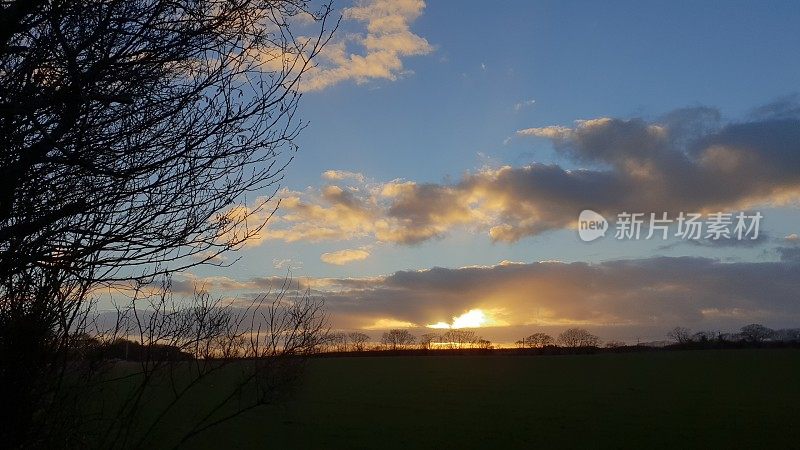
(338, 342)
(578, 337)
(538, 340)
(426, 340)
(703, 337)
(756, 332)
(614, 344)
(358, 341)
(787, 335)
(484, 344)
(460, 338)
(730, 337)
(680, 335)
(396, 339)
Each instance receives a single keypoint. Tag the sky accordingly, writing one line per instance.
(451, 146)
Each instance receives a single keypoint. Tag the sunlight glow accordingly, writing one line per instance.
(473, 318)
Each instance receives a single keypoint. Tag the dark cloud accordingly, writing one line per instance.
(653, 292)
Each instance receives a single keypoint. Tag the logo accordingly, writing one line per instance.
(687, 226)
(591, 225)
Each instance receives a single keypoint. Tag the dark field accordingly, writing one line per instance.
(679, 399)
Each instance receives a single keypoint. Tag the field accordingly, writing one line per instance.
(711, 399)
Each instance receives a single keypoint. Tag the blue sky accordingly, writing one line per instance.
(471, 76)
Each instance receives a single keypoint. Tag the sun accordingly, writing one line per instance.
(473, 318)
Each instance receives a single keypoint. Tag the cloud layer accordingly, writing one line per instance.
(654, 293)
(686, 161)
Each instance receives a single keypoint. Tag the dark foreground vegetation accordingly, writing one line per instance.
(662, 399)
(135, 136)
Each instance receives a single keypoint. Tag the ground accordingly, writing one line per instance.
(678, 399)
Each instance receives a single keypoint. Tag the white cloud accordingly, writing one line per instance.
(524, 104)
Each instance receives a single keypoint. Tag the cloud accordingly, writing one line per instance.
(653, 293)
(342, 257)
(376, 54)
(286, 263)
(686, 161)
(664, 291)
(339, 175)
(524, 104)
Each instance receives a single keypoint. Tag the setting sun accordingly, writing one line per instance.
(473, 318)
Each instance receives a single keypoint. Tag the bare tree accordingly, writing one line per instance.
(459, 338)
(397, 339)
(133, 134)
(484, 344)
(537, 340)
(358, 341)
(578, 337)
(427, 340)
(680, 335)
(133, 129)
(337, 342)
(183, 346)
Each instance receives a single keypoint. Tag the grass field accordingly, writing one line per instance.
(691, 399)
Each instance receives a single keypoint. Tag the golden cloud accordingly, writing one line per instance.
(342, 257)
(387, 41)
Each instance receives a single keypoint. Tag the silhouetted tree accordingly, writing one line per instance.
(180, 346)
(537, 340)
(578, 337)
(427, 340)
(459, 338)
(756, 333)
(338, 342)
(680, 335)
(397, 339)
(703, 337)
(133, 130)
(787, 335)
(484, 344)
(358, 341)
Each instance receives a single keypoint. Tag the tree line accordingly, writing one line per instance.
(752, 334)
(401, 339)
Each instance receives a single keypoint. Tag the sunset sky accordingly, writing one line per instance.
(452, 145)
